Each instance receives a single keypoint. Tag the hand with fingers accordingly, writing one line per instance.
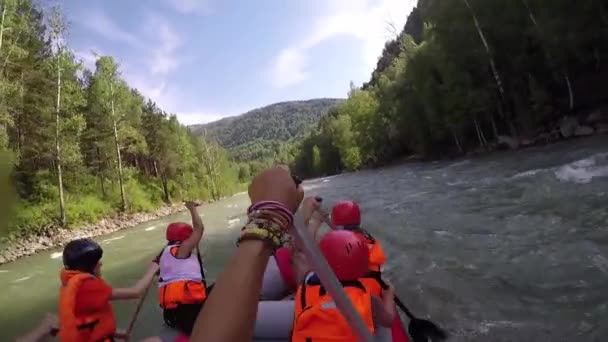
(190, 205)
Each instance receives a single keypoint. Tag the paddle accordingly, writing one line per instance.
(420, 330)
(127, 334)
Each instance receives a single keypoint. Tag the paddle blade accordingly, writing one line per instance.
(422, 330)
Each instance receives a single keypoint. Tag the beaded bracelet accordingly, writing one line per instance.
(265, 225)
(272, 205)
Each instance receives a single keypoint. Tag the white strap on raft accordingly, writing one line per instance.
(331, 283)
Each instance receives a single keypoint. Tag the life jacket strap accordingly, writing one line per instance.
(89, 325)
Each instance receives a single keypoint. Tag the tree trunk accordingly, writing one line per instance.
(123, 199)
(570, 93)
(495, 73)
(155, 169)
(103, 187)
(494, 128)
(456, 140)
(211, 172)
(483, 136)
(549, 55)
(101, 180)
(58, 149)
(165, 189)
(479, 137)
(2, 25)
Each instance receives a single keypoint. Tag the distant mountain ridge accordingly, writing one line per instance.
(276, 123)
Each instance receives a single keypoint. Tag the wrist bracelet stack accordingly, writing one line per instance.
(268, 222)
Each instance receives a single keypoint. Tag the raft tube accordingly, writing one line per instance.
(398, 330)
(275, 310)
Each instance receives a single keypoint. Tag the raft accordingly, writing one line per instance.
(275, 310)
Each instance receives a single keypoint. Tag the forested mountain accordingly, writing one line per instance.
(467, 75)
(82, 144)
(280, 121)
(266, 135)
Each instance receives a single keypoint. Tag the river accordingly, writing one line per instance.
(510, 246)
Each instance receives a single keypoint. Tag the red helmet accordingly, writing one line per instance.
(346, 213)
(178, 231)
(346, 253)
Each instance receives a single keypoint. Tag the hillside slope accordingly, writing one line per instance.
(258, 133)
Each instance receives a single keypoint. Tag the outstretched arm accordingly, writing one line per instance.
(192, 242)
(139, 288)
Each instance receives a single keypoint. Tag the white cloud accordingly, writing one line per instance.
(202, 117)
(97, 21)
(366, 21)
(289, 68)
(152, 57)
(164, 55)
(188, 6)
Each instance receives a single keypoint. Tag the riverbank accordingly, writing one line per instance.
(11, 250)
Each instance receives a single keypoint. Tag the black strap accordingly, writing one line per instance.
(200, 263)
(90, 325)
(349, 283)
(303, 296)
(377, 275)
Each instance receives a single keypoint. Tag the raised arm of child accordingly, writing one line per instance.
(139, 288)
(192, 242)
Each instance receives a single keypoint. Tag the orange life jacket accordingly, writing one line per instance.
(316, 317)
(92, 327)
(371, 285)
(181, 291)
(377, 258)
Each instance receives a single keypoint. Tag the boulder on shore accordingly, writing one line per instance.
(581, 131)
(55, 236)
(510, 142)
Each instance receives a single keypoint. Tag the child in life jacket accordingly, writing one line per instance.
(85, 311)
(182, 287)
(316, 316)
(347, 215)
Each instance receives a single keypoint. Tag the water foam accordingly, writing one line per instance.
(56, 255)
(151, 228)
(580, 171)
(107, 241)
(233, 222)
(21, 279)
(584, 170)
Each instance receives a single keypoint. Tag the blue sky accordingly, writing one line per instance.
(207, 59)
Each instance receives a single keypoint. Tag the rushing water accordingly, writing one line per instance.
(507, 247)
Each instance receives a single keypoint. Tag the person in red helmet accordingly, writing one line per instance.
(347, 215)
(182, 287)
(316, 316)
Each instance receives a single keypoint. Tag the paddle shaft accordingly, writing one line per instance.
(136, 312)
(398, 301)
